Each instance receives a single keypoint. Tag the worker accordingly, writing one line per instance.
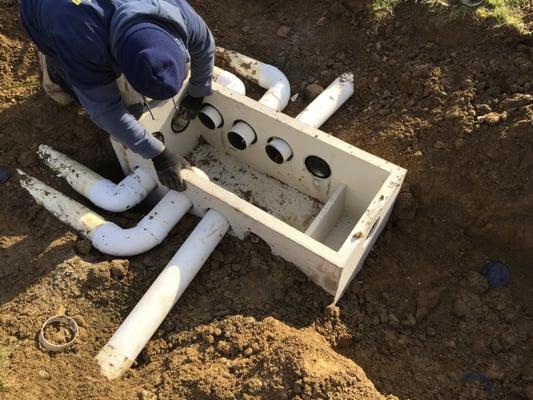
(111, 54)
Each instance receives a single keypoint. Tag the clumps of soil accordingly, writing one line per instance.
(258, 359)
(58, 333)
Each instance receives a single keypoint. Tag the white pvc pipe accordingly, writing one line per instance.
(210, 117)
(328, 102)
(106, 236)
(100, 191)
(241, 135)
(142, 322)
(265, 75)
(65, 209)
(279, 150)
(150, 231)
(229, 80)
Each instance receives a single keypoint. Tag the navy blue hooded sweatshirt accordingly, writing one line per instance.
(81, 36)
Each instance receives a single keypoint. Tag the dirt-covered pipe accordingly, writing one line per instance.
(142, 322)
(100, 191)
(265, 75)
(106, 236)
(328, 102)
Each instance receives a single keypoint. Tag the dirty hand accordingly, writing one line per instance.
(192, 106)
(168, 167)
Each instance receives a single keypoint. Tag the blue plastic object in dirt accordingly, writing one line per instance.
(478, 377)
(4, 174)
(497, 274)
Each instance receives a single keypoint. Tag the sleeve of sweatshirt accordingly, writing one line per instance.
(107, 111)
(201, 47)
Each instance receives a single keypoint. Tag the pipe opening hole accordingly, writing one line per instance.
(179, 121)
(318, 167)
(236, 140)
(210, 117)
(278, 150)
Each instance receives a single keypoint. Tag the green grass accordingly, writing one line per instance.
(501, 12)
(4, 363)
(504, 12)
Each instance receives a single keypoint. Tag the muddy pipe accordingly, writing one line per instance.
(328, 102)
(106, 236)
(101, 192)
(265, 75)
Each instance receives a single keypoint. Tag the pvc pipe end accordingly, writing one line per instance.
(113, 363)
(241, 135)
(278, 150)
(210, 117)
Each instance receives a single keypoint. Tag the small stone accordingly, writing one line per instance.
(283, 32)
(312, 91)
(236, 267)
(223, 347)
(431, 332)
(119, 269)
(460, 309)
(43, 374)
(83, 247)
(491, 118)
(97, 276)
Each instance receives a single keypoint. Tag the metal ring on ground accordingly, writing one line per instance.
(64, 320)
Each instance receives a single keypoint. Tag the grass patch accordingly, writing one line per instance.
(4, 364)
(504, 12)
(501, 12)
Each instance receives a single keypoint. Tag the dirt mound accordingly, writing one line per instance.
(257, 359)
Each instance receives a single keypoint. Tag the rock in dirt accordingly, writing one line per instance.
(83, 247)
(460, 308)
(312, 91)
(43, 374)
(119, 269)
(98, 275)
(283, 32)
(492, 118)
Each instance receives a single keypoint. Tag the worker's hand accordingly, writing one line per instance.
(168, 167)
(192, 106)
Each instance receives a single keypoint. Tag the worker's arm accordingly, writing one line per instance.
(201, 47)
(106, 110)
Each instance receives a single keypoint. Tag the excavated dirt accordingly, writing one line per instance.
(450, 101)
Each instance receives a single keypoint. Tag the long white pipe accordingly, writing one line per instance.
(142, 322)
(106, 236)
(329, 101)
(265, 75)
(100, 191)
